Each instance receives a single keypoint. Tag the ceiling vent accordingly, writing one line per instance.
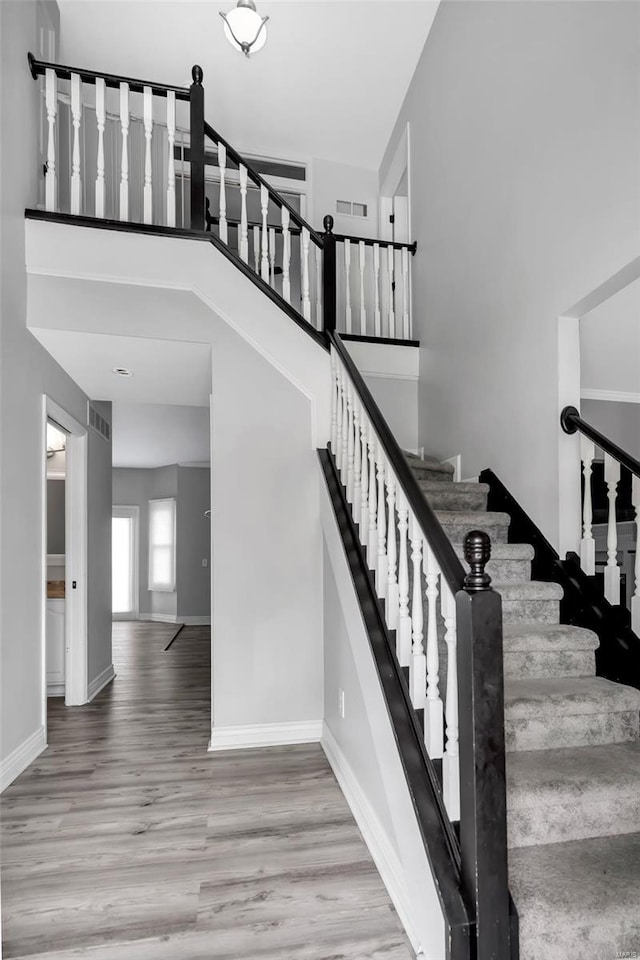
(99, 424)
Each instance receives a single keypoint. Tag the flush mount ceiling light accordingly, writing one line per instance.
(244, 28)
(122, 372)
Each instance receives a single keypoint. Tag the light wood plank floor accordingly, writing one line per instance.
(125, 840)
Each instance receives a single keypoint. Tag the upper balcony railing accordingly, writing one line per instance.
(121, 149)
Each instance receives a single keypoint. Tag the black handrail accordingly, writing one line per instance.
(369, 242)
(448, 561)
(257, 178)
(571, 421)
(39, 67)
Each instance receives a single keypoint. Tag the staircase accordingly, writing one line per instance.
(573, 753)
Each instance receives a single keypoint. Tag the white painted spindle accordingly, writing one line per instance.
(392, 315)
(363, 519)
(319, 319)
(148, 173)
(451, 760)
(372, 540)
(587, 543)
(612, 570)
(223, 230)
(406, 319)
(347, 289)
(51, 103)
(403, 638)
(344, 454)
(357, 459)
(171, 167)
(381, 566)
(363, 310)
(391, 608)
(418, 664)
(101, 118)
(76, 114)
(350, 441)
(286, 255)
(306, 299)
(334, 402)
(244, 224)
(635, 599)
(376, 290)
(433, 717)
(256, 247)
(272, 256)
(264, 206)
(339, 411)
(124, 160)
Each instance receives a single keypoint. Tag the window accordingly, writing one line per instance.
(351, 209)
(162, 545)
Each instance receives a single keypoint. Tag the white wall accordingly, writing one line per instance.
(619, 422)
(154, 434)
(525, 159)
(610, 344)
(339, 181)
(391, 373)
(27, 372)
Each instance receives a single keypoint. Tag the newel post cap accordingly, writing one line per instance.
(477, 553)
(197, 74)
(328, 223)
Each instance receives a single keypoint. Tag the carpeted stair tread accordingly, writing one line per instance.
(457, 524)
(547, 637)
(430, 468)
(578, 900)
(573, 793)
(528, 590)
(568, 695)
(455, 496)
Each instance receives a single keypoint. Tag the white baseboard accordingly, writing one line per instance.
(20, 758)
(265, 735)
(160, 617)
(195, 621)
(56, 689)
(383, 853)
(100, 682)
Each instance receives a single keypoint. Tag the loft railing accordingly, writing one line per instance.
(130, 150)
(447, 628)
(616, 463)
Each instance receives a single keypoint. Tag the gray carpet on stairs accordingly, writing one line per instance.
(573, 761)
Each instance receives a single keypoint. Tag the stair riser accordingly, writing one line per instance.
(572, 730)
(599, 940)
(508, 571)
(432, 475)
(449, 498)
(458, 531)
(573, 819)
(540, 664)
(530, 611)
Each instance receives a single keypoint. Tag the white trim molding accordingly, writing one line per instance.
(101, 681)
(195, 621)
(615, 396)
(55, 688)
(20, 758)
(192, 621)
(382, 851)
(265, 735)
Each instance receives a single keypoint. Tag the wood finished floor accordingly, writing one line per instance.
(125, 840)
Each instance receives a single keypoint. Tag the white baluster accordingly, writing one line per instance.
(306, 299)
(256, 247)
(372, 540)
(635, 599)
(433, 716)
(418, 664)
(100, 120)
(347, 293)
(319, 319)
(344, 454)
(148, 131)
(612, 570)
(403, 637)
(334, 402)
(376, 290)
(351, 446)
(406, 320)
(363, 519)
(264, 262)
(272, 256)
(244, 224)
(587, 544)
(391, 609)
(223, 230)
(286, 255)
(357, 459)
(51, 102)
(451, 760)
(171, 167)
(337, 450)
(76, 114)
(124, 162)
(363, 310)
(381, 566)
(392, 315)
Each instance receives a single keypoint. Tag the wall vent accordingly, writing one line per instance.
(99, 424)
(349, 208)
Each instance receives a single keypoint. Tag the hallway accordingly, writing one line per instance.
(125, 840)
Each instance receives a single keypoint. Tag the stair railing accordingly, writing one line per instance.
(447, 630)
(616, 460)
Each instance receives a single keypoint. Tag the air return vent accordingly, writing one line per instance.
(99, 424)
(351, 209)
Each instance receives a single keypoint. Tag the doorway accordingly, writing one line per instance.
(124, 563)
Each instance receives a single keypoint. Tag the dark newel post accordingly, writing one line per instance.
(196, 148)
(483, 804)
(329, 275)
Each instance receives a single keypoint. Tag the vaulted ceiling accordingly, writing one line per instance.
(329, 82)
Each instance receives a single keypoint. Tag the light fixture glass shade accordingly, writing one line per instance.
(245, 29)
